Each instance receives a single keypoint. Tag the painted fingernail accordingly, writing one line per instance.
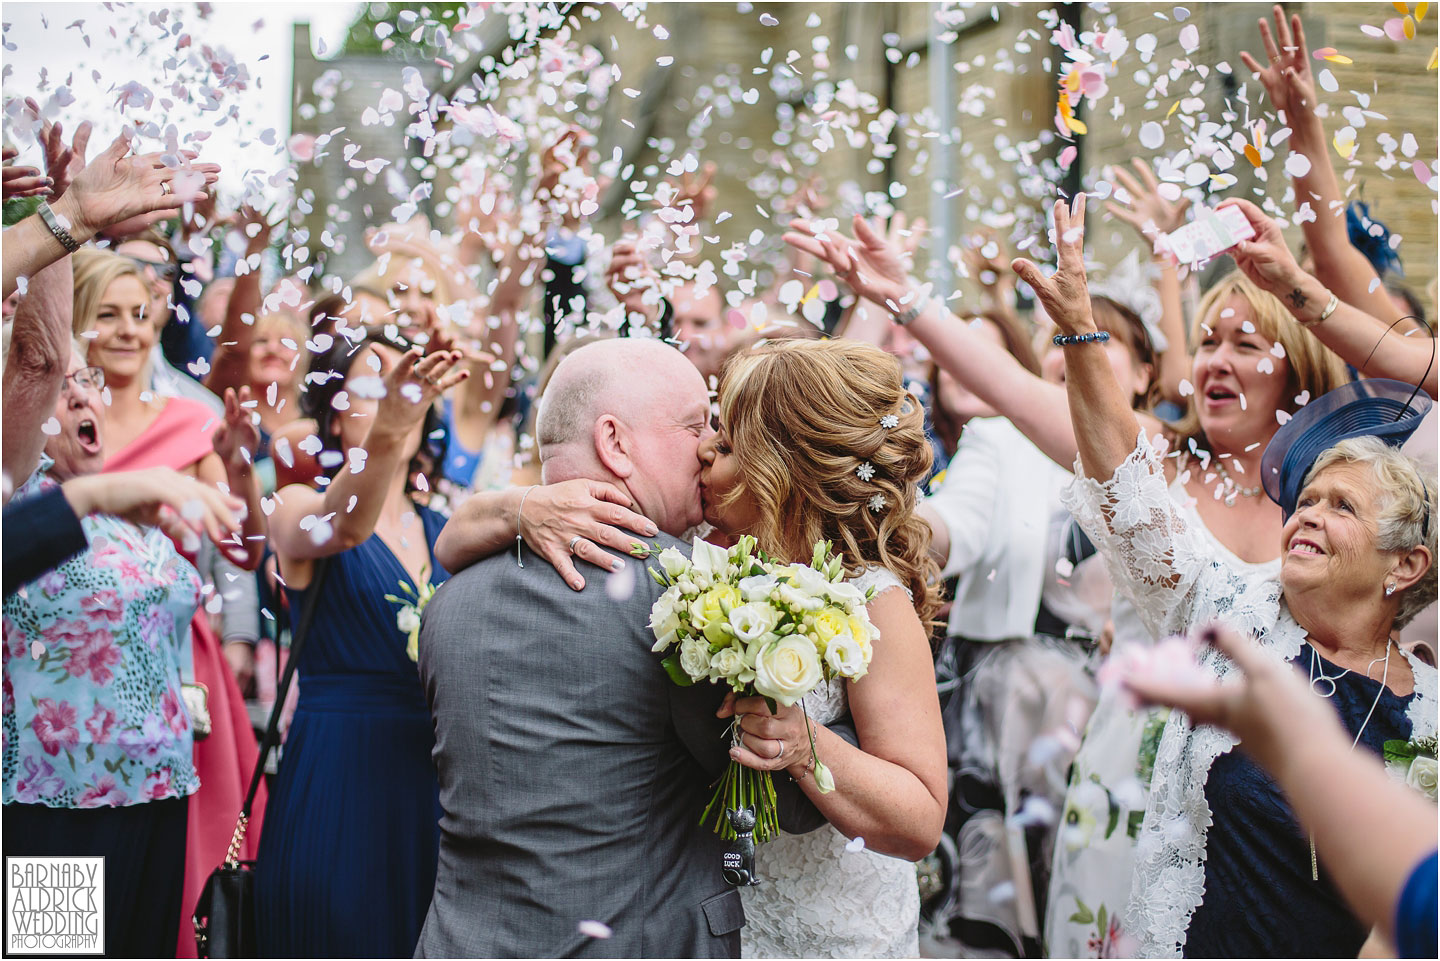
(1210, 635)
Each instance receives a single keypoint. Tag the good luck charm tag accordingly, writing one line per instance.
(738, 863)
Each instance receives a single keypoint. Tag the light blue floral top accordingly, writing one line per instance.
(93, 654)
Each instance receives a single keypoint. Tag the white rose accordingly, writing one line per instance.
(695, 658)
(408, 620)
(788, 669)
(729, 664)
(753, 621)
(758, 587)
(845, 657)
(1422, 776)
(673, 562)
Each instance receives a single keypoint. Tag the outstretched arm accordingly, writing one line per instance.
(584, 512)
(1371, 345)
(112, 188)
(1290, 84)
(876, 272)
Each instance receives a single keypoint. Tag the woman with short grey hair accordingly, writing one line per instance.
(1222, 867)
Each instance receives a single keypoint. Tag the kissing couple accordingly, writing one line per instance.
(573, 772)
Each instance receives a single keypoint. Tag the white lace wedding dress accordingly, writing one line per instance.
(819, 900)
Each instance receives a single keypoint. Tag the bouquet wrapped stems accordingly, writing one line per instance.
(738, 788)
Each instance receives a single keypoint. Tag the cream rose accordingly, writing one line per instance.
(695, 658)
(729, 664)
(1422, 776)
(408, 619)
(787, 670)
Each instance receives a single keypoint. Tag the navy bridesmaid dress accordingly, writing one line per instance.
(347, 859)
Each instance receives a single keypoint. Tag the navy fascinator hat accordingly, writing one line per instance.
(1386, 409)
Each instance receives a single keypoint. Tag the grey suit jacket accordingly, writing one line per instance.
(572, 774)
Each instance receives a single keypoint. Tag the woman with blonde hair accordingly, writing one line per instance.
(112, 319)
(817, 440)
(1253, 368)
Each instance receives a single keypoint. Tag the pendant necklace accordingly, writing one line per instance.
(1232, 490)
(1329, 679)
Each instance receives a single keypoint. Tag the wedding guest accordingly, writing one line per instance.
(1250, 362)
(1220, 868)
(355, 812)
(149, 430)
(97, 736)
(1377, 836)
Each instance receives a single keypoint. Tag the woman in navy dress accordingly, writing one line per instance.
(347, 860)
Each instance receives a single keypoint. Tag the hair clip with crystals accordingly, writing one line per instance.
(889, 421)
(877, 503)
(865, 471)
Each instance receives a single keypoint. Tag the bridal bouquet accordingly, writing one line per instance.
(739, 618)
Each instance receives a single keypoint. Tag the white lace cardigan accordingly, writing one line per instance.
(1169, 571)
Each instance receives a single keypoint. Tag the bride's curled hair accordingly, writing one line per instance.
(802, 418)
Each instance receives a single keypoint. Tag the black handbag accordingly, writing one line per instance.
(225, 912)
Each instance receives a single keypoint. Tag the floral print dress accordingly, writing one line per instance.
(93, 653)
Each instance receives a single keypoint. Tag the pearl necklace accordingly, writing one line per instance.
(1329, 679)
(1230, 489)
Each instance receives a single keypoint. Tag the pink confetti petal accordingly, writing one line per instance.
(1423, 173)
(1395, 28)
(1067, 157)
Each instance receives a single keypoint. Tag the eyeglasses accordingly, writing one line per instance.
(164, 270)
(87, 378)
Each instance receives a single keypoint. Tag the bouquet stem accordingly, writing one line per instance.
(741, 787)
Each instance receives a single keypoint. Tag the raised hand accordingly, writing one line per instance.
(237, 438)
(869, 264)
(17, 181)
(1065, 294)
(629, 277)
(413, 384)
(115, 187)
(1265, 258)
(62, 164)
(1287, 80)
(696, 191)
(1149, 213)
(989, 270)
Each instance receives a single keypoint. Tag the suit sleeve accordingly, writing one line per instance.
(41, 533)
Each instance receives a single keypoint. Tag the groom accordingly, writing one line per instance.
(572, 770)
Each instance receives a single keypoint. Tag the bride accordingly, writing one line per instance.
(817, 440)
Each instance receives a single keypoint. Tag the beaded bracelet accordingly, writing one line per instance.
(1094, 337)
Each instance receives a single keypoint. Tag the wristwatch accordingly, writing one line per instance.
(61, 234)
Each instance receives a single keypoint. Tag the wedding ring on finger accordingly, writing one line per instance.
(573, 541)
(165, 187)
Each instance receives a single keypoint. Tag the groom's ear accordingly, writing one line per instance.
(613, 446)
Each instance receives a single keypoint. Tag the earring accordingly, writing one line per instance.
(1389, 589)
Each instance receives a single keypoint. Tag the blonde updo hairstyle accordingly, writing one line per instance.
(802, 416)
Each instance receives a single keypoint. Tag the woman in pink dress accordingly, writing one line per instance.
(147, 430)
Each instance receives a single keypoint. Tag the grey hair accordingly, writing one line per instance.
(1406, 497)
(568, 407)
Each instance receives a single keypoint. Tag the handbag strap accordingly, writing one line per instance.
(272, 727)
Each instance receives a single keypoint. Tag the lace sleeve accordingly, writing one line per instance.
(1154, 554)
